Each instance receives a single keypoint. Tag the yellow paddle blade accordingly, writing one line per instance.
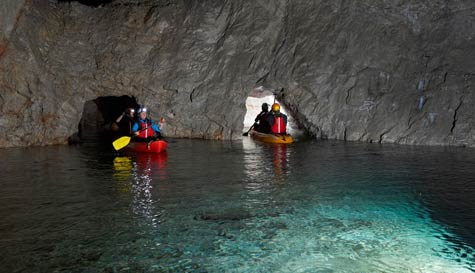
(121, 142)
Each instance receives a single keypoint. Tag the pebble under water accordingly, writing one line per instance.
(238, 206)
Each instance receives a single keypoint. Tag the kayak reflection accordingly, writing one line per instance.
(152, 164)
(265, 162)
(279, 160)
(148, 164)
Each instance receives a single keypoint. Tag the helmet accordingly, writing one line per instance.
(130, 110)
(143, 109)
(265, 107)
(275, 107)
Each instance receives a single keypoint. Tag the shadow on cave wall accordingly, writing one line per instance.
(98, 116)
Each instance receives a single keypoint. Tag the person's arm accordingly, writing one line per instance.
(161, 123)
(120, 118)
(258, 117)
(285, 119)
(135, 128)
(155, 127)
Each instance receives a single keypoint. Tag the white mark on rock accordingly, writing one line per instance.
(421, 102)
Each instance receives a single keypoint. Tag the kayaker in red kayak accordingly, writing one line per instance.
(277, 120)
(144, 129)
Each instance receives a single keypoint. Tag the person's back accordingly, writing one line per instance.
(261, 124)
(277, 120)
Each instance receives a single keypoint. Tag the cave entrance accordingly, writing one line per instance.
(99, 114)
(254, 101)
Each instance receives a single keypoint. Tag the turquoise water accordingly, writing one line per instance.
(239, 206)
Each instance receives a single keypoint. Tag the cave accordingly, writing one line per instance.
(99, 115)
(344, 72)
(378, 72)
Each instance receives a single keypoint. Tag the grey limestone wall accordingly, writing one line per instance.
(378, 71)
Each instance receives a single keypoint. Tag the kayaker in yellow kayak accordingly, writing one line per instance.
(277, 120)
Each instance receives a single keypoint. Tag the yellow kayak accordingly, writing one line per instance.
(271, 138)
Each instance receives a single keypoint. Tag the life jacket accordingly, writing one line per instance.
(279, 126)
(145, 129)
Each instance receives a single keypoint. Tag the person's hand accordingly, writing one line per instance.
(136, 133)
(161, 123)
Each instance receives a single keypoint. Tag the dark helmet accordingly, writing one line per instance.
(265, 107)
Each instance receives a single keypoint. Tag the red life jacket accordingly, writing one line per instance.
(279, 126)
(146, 129)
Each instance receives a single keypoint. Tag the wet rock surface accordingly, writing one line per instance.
(377, 71)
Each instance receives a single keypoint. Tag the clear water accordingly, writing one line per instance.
(238, 207)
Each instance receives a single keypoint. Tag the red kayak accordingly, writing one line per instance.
(145, 147)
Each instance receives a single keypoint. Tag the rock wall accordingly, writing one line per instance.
(382, 71)
(9, 15)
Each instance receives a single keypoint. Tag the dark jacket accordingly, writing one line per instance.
(125, 125)
(261, 124)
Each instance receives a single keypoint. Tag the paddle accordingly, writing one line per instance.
(247, 133)
(121, 142)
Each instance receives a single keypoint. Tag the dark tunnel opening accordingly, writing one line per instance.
(99, 115)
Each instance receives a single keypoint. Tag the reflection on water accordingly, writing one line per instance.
(355, 218)
(279, 161)
(122, 172)
(141, 168)
(238, 207)
(260, 158)
(265, 170)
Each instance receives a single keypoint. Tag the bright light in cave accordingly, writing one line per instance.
(253, 108)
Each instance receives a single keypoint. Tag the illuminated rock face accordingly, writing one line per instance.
(379, 71)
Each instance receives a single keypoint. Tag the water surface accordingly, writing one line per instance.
(241, 206)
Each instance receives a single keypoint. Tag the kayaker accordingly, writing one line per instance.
(144, 129)
(125, 122)
(260, 122)
(277, 120)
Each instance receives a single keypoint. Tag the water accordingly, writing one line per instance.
(210, 206)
